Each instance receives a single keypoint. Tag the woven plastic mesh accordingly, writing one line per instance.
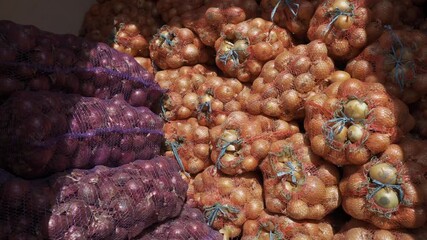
(46, 132)
(190, 224)
(38, 60)
(100, 203)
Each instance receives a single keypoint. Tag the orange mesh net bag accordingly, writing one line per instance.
(346, 26)
(352, 120)
(286, 82)
(208, 20)
(243, 140)
(228, 201)
(354, 229)
(297, 183)
(127, 25)
(272, 226)
(398, 60)
(189, 144)
(174, 47)
(243, 48)
(294, 15)
(200, 93)
(388, 192)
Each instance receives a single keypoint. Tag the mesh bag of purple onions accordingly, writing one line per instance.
(189, 225)
(46, 132)
(100, 203)
(38, 60)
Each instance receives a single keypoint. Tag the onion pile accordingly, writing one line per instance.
(189, 144)
(286, 82)
(397, 60)
(294, 15)
(228, 202)
(243, 48)
(351, 120)
(269, 226)
(100, 203)
(243, 140)
(47, 132)
(208, 20)
(38, 60)
(297, 183)
(388, 191)
(190, 224)
(174, 47)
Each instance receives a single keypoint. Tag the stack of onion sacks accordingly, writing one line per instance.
(287, 81)
(228, 201)
(388, 191)
(174, 47)
(294, 15)
(397, 60)
(189, 144)
(272, 226)
(354, 229)
(297, 183)
(352, 120)
(243, 48)
(243, 140)
(208, 20)
(346, 26)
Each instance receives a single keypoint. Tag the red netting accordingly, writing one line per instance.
(352, 120)
(174, 47)
(189, 144)
(228, 202)
(243, 140)
(397, 60)
(190, 224)
(420, 114)
(388, 191)
(101, 203)
(297, 183)
(46, 132)
(345, 26)
(198, 92)
(287, 81)
(126, 25)
(208, 20)
(272, 226)
(37, 60)
(294, 15)
(243, 48)
(171, 8)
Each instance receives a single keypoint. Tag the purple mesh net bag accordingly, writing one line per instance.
(46, 132)
(100, 203)
(38, 60)
(189, 225)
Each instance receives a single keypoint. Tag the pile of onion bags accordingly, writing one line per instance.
(46, 132)
(100, 203)
(37, 60)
